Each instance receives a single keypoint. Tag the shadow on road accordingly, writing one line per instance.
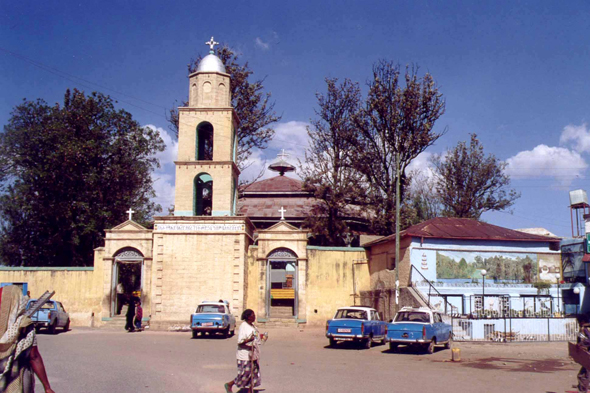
(411, 350)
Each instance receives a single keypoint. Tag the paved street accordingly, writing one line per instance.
(85, 360)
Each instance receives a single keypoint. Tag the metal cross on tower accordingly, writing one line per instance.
(211, 44)
(130, 212)
(282, 210)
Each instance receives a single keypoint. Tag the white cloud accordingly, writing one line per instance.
(164, 177)
(261, 44)
(578, 137)
(544, 161)
(421, 165)
(291, 135)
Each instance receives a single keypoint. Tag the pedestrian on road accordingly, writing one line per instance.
(19, 355)
(248, 354)
(130, 315)
(138, 315)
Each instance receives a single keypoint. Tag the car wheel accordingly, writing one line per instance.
(332, 343)
(37, 328)
(383, 341)
(392, 347)
(448, 344)
(52, 327)
(195, 334)
(67, 326)
(232, 332)
(366, 344)
(225, 332)
(430, 347)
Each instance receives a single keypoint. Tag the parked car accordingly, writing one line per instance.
(419, 326)
(356, 323)
(213, 317)
(52, 316)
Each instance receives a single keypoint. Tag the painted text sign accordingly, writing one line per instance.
(200, 227)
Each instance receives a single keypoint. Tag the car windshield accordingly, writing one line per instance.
(412, 316)
(351, 314)
(211, 308)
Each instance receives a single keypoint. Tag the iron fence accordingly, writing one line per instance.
(515, 329)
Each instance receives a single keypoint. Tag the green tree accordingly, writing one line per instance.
(328, 169)
(251, 103)
(468, 183)
(398, 116)
(68, 173)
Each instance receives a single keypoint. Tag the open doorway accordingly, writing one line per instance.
(127, 280)
(282, 285)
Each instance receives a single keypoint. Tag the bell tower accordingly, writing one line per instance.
(206, 170)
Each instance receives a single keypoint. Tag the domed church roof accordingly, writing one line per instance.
(211, 63)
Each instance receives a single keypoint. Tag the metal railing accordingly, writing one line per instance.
(448, 308)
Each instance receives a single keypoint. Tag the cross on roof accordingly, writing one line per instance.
(282, 210)
(130, 212)
(211, 44)
(282, 155)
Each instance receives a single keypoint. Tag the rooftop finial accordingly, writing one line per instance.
(282, 165)
(211, 44)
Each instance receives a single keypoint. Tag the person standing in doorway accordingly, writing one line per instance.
(138, 315)
(130, 315)
(120, 297)
(248, 354)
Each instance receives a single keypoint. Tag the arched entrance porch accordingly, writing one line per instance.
(127, 278)
(282, 284)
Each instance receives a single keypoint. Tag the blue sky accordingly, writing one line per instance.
(514, 72)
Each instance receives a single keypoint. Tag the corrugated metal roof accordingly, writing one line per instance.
(464, 228)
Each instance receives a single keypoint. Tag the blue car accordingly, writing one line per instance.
(213, 317)
(358, 324)
(419, 326)
(52, 315)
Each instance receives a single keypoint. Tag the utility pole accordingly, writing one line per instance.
(397, 187)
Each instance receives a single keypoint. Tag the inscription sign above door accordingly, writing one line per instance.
(200, 227)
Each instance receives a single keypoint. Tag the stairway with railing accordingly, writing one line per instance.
(415, 277)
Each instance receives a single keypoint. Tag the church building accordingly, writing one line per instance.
(247, 246)
(252, 253)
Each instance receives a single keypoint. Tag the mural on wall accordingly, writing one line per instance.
(507, 267)
(549, 268)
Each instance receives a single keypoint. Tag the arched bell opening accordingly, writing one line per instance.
(204, 151)
(203, 195)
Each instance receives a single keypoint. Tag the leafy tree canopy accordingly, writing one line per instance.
(68, 172)
(329, 162)
(397, 117)
(469, 183)
(251, 103)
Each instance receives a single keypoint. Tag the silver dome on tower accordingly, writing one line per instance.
(211, 63)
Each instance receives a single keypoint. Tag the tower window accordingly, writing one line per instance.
(203, 196)
(204, 142)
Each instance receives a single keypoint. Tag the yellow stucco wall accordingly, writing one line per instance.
(79, 289)
(328, 281)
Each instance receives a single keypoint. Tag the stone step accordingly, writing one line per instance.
(116, 323)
